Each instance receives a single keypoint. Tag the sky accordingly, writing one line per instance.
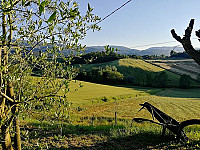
(141, 22)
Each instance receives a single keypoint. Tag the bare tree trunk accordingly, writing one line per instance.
(186, 42)
(5, 128)
(17, 139)
(6, 143)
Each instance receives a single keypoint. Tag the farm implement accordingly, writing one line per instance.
(167, 122)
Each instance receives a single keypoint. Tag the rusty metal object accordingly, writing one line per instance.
(167, 122)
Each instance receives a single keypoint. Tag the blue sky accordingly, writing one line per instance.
(141, 22)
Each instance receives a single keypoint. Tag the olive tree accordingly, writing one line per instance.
(35, 34)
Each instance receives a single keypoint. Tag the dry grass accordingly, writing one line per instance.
(185, 66)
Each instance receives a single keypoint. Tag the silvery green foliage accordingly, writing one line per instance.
(44, 32)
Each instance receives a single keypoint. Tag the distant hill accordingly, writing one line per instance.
(122, 50)
(160, 50)
(128, 51)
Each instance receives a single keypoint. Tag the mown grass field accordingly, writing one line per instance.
(179, 103)
(185, 66)
(92, 119)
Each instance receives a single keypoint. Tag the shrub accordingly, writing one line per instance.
(184, 81)
(99, 75)
(130, 80)
(161, 80)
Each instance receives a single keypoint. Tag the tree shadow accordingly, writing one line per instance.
(99, 137)
(146, 140)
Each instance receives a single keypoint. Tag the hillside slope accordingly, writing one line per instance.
(137, 68)
(185, 66)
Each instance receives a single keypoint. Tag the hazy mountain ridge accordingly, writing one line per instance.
(128, 51)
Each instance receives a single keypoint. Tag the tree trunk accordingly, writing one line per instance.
(6, 143)
(5, 131)
(186, 42)
(17, 139)
(5, 128)
(11, 94)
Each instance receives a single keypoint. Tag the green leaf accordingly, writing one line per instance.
(43, 3)
(11, 3)
(73, 13)
(89, 8)
(60, 36)
(53, 39)
(52, 17)
(41, 7)
(23, 2)
(40, 22)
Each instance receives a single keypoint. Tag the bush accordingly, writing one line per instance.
(161, 80)
(130, 80)
(109, 74)
(149, 79)
(97, 57)
(184, 81)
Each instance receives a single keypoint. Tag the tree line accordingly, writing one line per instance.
(102, 56)
(98, 57)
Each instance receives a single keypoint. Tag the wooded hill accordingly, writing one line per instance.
(134, 71)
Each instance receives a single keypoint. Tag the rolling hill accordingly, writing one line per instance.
(128, 51)
(136, 68)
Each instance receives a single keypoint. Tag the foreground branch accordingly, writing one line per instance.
(186, 42)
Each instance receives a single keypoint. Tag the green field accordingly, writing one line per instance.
(180, 103)
(92, 119)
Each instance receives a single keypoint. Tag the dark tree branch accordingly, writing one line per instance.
(198, 34)
(178, 38)
(189, 29)
(185, 41)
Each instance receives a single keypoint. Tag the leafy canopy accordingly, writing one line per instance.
(38, 33)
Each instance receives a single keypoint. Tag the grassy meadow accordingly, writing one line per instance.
(92, 119)
(103, 100)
